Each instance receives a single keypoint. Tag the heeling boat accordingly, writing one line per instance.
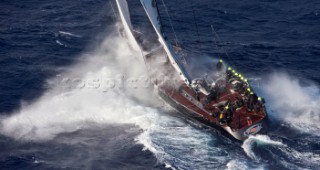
(224, 101)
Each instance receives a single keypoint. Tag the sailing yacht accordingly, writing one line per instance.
(224, 100)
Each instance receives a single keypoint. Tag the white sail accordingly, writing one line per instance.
(150, 7)
(125, 18)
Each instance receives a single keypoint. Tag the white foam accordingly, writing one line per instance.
(308, 158)
(69, 34)
(58, 42)
(67, 107)
(236, 165)
(261, 139)
(293, 103)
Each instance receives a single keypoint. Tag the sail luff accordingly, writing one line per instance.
(153, 15)
(125, 18)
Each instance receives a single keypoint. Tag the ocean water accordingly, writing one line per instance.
(70, 99)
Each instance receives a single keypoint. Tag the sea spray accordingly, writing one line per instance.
(293, 103)
(82, 95)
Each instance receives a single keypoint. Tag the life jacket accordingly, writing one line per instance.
(221, 116)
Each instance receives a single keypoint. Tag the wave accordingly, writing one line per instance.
(97, 90)
(68, 34)
(103, 89)
(258, 139)
(58, 42)
(236, 165)
(289, 156)
(296, 105)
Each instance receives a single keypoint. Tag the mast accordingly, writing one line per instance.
(151, 8)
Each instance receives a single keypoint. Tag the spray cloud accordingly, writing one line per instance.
(98, 90)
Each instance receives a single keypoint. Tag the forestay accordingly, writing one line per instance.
(151, 9)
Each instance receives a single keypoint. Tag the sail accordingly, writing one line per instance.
(150, 6)
(125, 18)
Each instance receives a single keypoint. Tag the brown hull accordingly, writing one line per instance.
(241, 134)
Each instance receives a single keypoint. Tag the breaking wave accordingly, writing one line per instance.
(293, 107)
(259, 140)
(278, 150)
(296, 105)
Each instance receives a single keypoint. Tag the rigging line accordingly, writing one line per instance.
(131, 29)
(183, 59)
(223, 50)
(114, 12)
(196, 24)
(159, 16)
(214, 41)
(170, 20)
(116, 18)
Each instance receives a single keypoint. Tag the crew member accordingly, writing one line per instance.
(229, 73)
(211, 96)
(228, 111)
(220, 66)
(221, 115)
(253, 99)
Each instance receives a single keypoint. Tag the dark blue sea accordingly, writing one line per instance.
(73, 96)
